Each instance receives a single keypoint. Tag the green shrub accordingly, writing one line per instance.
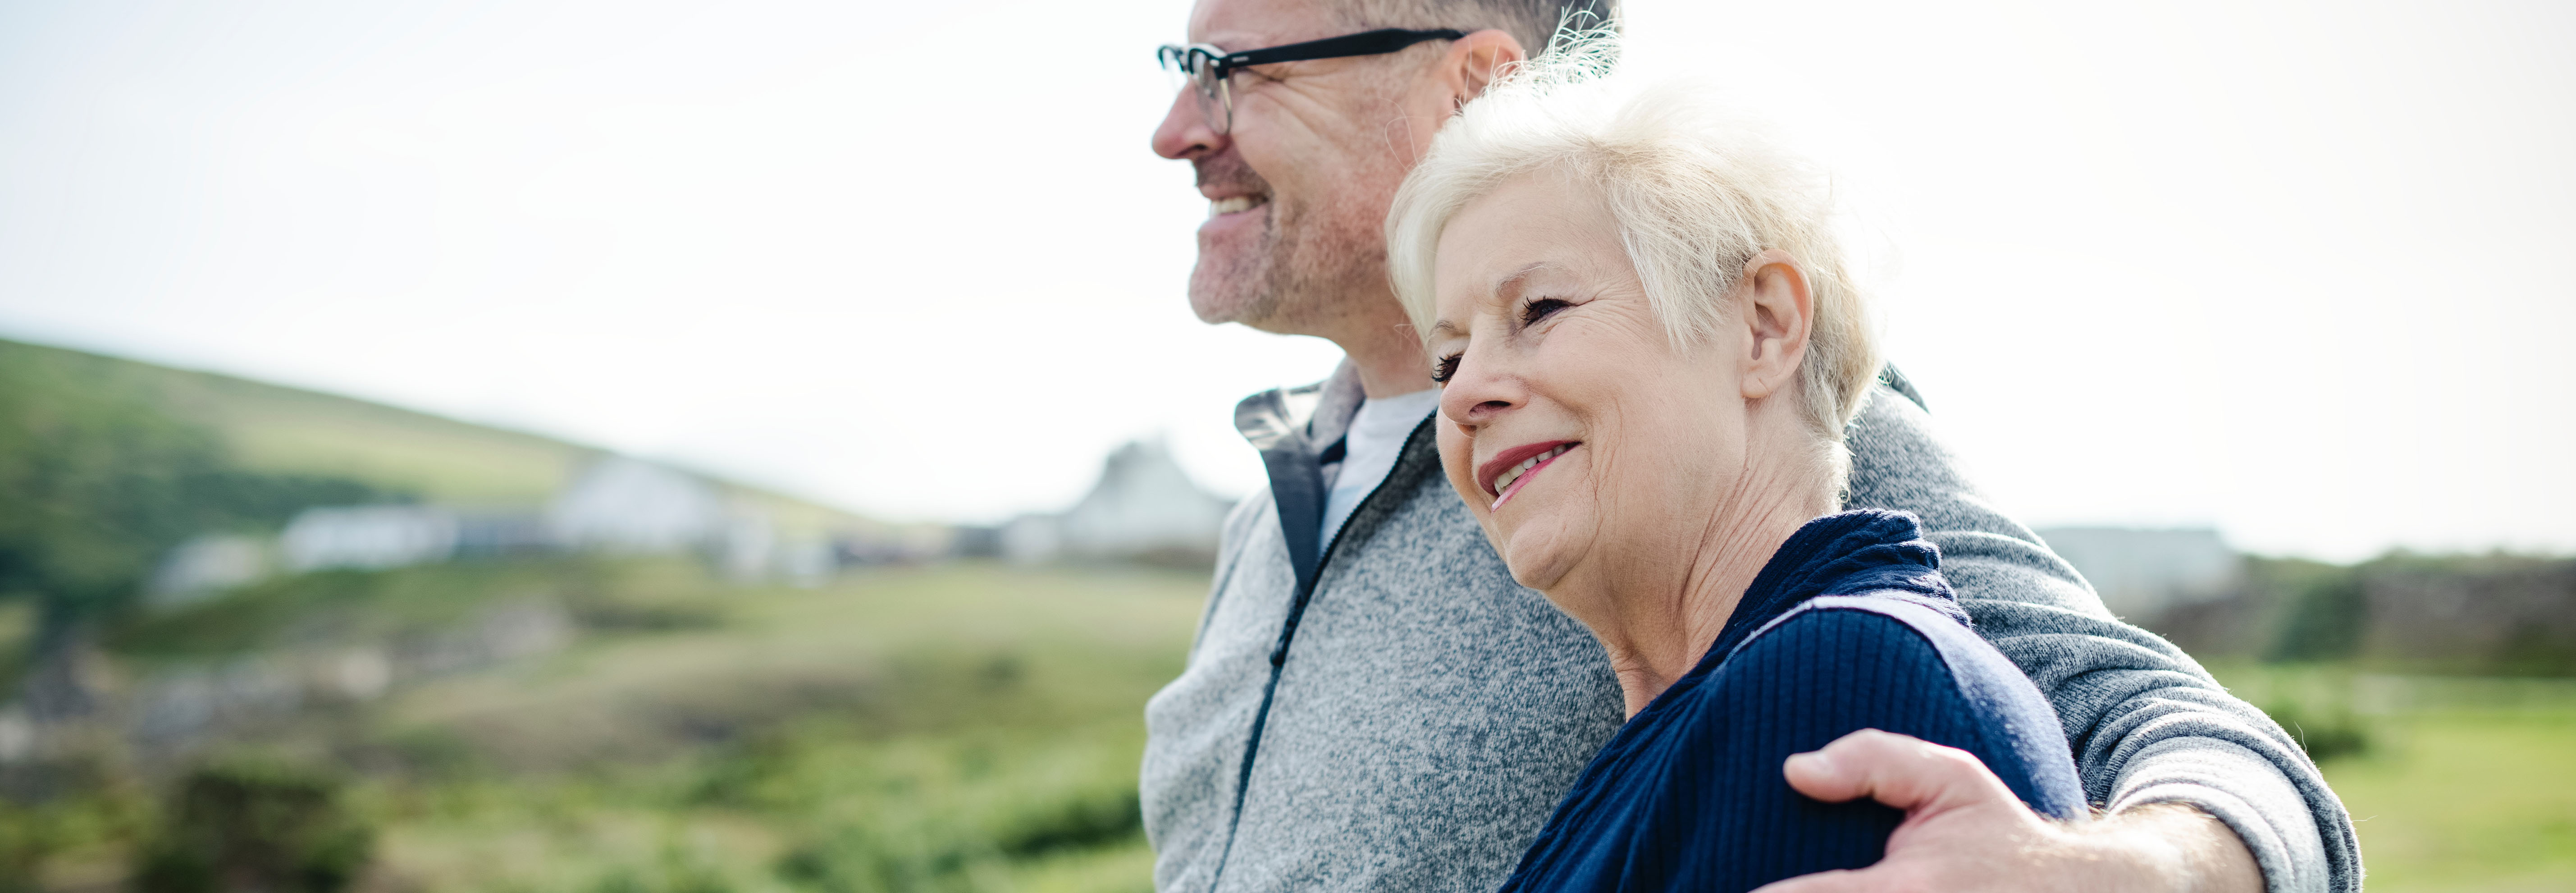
(1073, 820)
(678, 871)
(2326, 616)
(249, 826)
(939, 813)
(2324, 733)
(33, 834)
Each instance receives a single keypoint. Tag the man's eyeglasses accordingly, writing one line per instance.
(1208, 68)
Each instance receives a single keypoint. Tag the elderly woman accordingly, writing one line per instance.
(1649, 347)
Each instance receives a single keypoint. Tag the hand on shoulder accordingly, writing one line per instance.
(1964, 830)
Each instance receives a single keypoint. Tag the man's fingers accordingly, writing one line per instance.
(1816, 775)
(1901, 771)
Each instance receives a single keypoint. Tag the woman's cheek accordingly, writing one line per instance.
(1455, 450)
(1442, 440)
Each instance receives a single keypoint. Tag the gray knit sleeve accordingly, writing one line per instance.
(2146, 723)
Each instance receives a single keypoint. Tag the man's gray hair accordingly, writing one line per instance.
(1532, 22)
(1697, 193)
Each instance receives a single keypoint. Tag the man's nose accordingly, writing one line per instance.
(1185, 132)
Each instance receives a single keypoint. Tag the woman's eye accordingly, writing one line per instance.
(1445, 369)
(1540, 309)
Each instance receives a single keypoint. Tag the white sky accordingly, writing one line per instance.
(2295, 269)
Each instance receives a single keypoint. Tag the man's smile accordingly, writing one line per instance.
(1235, 204)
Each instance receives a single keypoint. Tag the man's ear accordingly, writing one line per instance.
(1775, 311)
(1476, 60)
(1472, 64)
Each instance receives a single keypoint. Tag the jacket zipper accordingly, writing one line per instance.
(1279, 653)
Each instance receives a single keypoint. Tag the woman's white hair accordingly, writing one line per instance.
(1696, 191)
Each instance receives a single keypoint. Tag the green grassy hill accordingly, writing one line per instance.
(281, 429)
(278, 430)
(108, 464)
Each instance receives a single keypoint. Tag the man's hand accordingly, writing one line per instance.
(1964, 830)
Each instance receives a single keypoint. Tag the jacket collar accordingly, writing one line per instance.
(1309, 416)
(1846, 553)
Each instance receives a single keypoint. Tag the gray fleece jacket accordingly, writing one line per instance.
(1390, 711)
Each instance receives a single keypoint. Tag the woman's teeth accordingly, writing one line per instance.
(1504, 484)
(1237, 203)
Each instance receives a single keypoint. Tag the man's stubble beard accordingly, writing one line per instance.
(1301, 275)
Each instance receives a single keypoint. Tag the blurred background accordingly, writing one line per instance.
(648, 447)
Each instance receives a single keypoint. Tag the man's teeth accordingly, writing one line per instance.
(1505, 482)
(1233, 204)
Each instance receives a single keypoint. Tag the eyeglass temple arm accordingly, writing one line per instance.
(1365, 43)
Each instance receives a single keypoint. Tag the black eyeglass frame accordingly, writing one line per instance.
(1190, 60)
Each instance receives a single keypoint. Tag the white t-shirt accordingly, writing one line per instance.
(1369, 451)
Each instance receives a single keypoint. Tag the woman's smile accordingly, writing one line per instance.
(1505, 474)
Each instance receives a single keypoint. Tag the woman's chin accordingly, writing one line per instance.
(1538, 554)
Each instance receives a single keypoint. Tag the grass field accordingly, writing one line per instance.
(869, 728)
(2452, 784)
(975, 727)
(2466, 801)
(956, 728)
(962, 727)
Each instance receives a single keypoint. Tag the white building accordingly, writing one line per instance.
(1033, 538)
(368, 536)
(631, 506)
(1144, 507)
(209, 564)
(2140, 573)
(620, 504)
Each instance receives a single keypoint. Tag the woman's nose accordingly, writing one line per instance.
(1479, 391)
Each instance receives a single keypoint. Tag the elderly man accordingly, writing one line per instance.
(1372, 703)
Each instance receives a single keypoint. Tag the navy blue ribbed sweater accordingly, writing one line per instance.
(1848, 627)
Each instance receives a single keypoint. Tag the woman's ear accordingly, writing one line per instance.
(1776, 312)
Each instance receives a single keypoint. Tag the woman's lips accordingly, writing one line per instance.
(1511, 478)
